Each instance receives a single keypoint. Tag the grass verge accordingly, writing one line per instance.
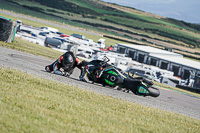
(32, 48)
(30, 104)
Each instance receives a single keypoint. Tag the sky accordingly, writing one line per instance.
(186, 10)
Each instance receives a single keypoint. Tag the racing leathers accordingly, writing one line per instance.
(64, 65)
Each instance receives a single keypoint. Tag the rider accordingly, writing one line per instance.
(65, 65)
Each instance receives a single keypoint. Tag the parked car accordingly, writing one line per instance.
(64, 35)
(78, 36)
(28, 32)
(52, 42)
(59, 33)
(78, 41)
(91, 42)
(57, 42)
(44, 33)
(85, 52)
(63, 40)
(50, 29)
(110, 48)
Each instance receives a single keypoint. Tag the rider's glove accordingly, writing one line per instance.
(67, 74)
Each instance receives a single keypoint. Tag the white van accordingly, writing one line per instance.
(19, 22)
(50, 29)
(101, 43)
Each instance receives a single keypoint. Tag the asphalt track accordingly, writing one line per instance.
(168, 100)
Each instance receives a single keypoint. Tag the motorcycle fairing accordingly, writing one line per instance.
(112, 77)
(111, 72)
(108, 82)
(116, 71)
(143, 90)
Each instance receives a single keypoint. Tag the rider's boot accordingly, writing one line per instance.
(81, 77)
(47, 69)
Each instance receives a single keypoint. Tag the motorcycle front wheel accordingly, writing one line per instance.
(154, 92)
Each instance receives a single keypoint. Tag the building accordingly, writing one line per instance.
(166, 60)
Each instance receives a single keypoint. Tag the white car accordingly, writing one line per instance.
(85, 52)
(78, 41)
(91, 42)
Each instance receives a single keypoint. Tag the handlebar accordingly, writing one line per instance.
(106, 58)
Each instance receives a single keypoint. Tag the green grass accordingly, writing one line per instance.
(30, 104)
(28, 47)
(142, 25)
(137, 15)
(5, 6)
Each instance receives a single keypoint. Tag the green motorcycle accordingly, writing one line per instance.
(99, 71)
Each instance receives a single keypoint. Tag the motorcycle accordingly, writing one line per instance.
(99, 71)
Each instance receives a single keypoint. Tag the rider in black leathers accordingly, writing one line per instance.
(65, 65)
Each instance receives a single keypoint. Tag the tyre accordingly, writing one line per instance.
(46, 45)
(154, 92)
(58, 46)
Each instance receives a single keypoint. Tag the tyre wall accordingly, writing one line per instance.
(7, 30)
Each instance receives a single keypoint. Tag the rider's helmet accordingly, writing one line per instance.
(68, 61)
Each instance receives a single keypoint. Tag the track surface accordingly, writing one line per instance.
(168, 100)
